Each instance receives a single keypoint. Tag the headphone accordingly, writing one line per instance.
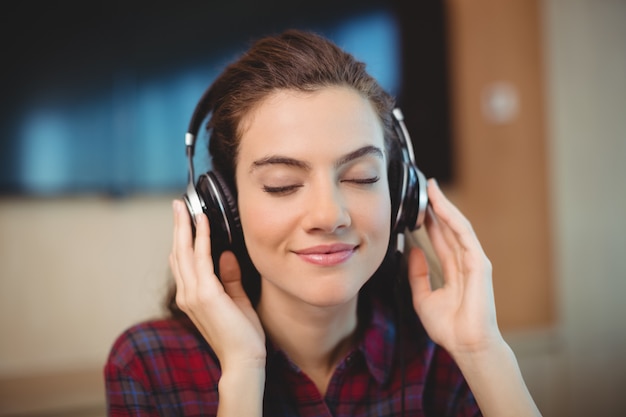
(212, 196)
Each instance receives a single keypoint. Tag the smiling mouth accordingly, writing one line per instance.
(327, 255)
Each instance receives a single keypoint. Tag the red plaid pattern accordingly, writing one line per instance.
(165, 368)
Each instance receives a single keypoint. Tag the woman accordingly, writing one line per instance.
(326, 318)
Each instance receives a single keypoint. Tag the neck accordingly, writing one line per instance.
(315, 338)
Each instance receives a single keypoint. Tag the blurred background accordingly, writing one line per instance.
(517, 108)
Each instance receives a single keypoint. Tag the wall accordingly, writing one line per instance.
(569, 135)
(502, 182)
(586, 68)
(501, 185)
(74, 273)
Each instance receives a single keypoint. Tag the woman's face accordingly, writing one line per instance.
(313, 195)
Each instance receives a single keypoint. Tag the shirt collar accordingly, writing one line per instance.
(377, 343)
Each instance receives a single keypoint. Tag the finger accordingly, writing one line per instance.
(419, 277)
(183, 259)
(445, 247)
(458, 233)
(182, 226)
(231, 276)
(455, 222)
(202, 247)
(435, 210)
(173, 257)
(451, 235)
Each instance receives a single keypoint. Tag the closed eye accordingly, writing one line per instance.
(281, 190)
(363, 181)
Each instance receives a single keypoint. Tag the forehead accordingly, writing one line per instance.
(301, 124)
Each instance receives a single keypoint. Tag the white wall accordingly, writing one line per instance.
(586, 84)
(75, 272)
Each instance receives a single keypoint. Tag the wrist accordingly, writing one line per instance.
(241, 368)
(232, 377)
(241, 391)
(496, 381)
(479, 341)
(486, 351)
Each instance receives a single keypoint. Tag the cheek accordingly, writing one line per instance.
(260, 221)
(263, 224)
(375, 210)
(265, 232)
(379, 221)
(372, 217)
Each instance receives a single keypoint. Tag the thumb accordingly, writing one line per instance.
(230, 275)
(419, 278)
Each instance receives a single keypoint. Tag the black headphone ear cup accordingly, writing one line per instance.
(412, 200)
(220, 207)
(226, 231)
(395, 174)
(409, 197)
(228, 206)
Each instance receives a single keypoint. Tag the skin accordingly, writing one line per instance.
(311, 200)
(301, 181)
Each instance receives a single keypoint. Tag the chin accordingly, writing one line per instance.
(330, 295)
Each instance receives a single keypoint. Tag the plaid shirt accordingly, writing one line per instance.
(165, 368)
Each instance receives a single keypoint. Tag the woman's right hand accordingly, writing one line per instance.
(221, 311)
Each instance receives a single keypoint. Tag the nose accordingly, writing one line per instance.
(326, 210)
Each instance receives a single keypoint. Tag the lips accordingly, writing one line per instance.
(327, 255)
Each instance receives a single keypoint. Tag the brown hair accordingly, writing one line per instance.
(292, 60)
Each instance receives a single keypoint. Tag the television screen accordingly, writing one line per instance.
(98, 95)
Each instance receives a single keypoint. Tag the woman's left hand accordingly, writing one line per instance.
(460, 315)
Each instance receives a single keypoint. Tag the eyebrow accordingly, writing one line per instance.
(296, 163)
(359, 153)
